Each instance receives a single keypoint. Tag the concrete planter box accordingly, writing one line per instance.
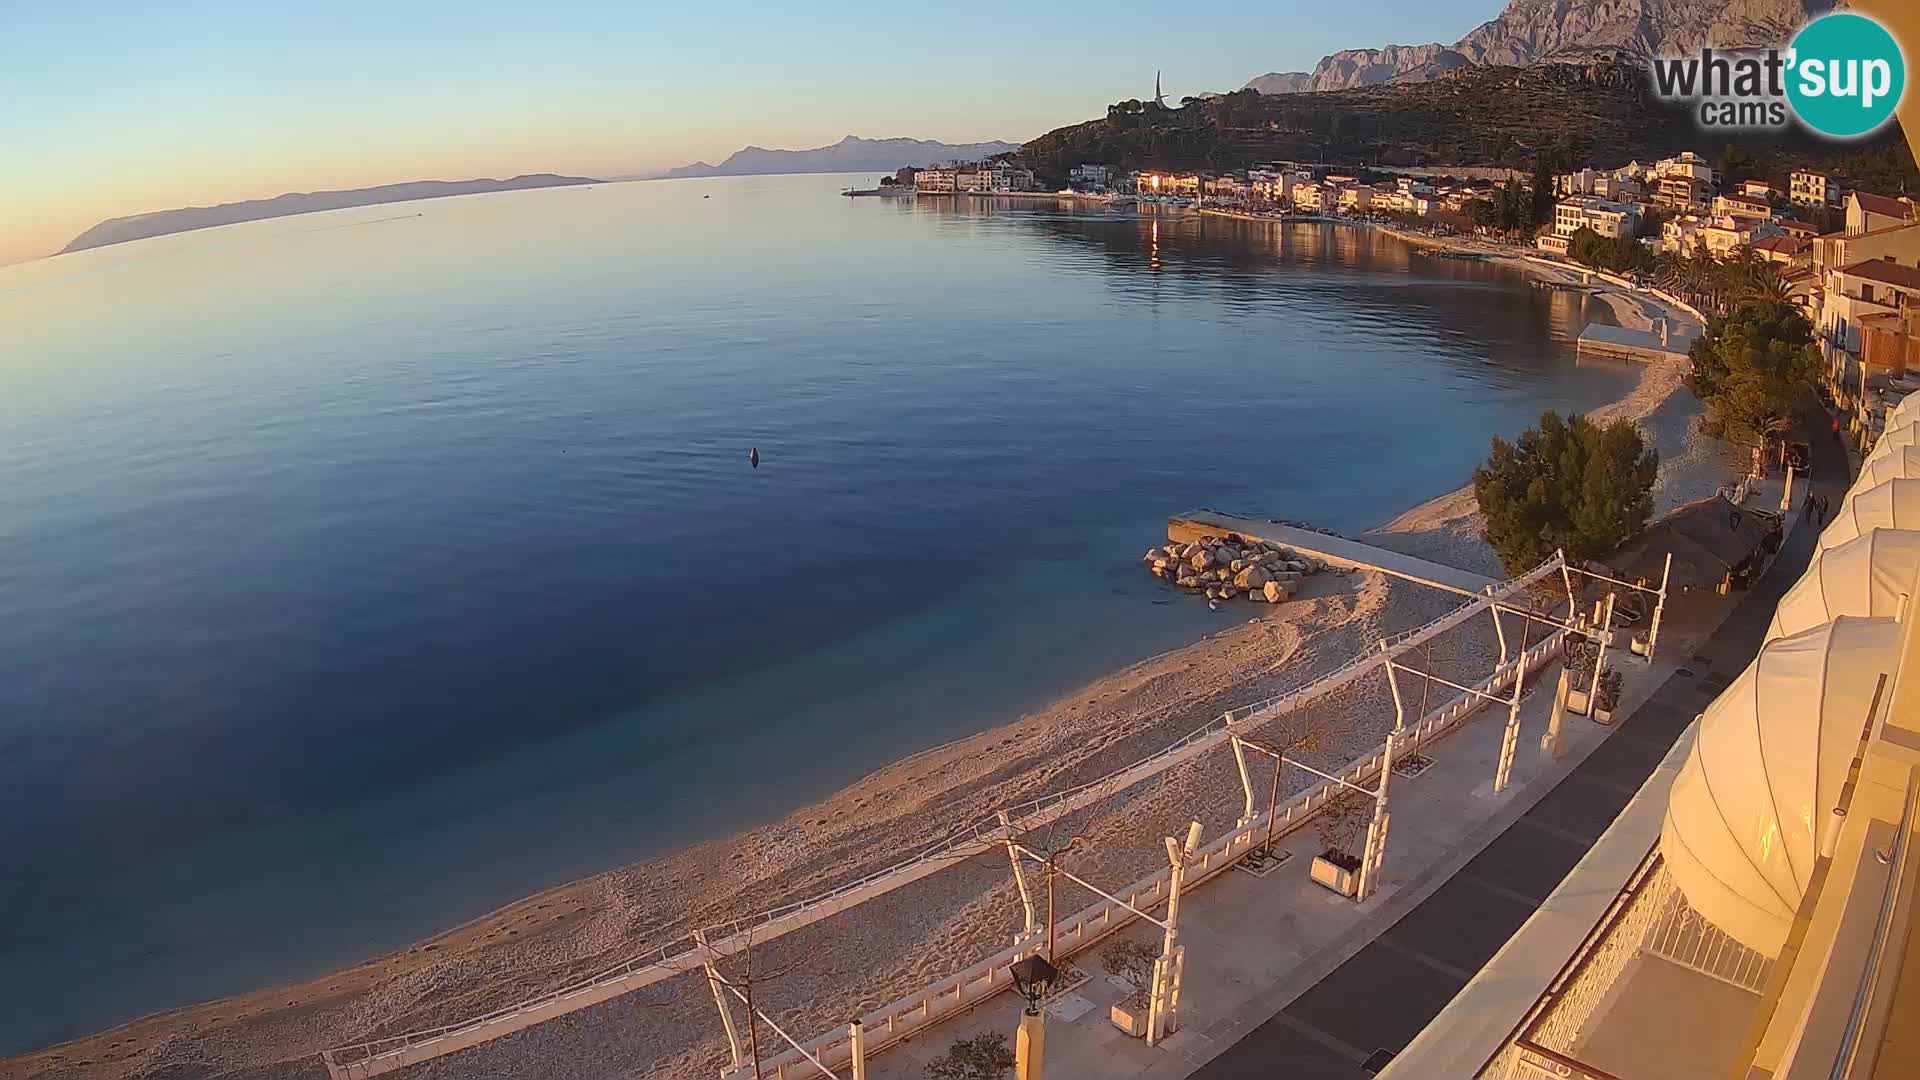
(1130, 1020)
(1334, 876)
(1577, 702)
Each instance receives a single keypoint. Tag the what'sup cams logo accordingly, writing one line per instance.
(1842, 77)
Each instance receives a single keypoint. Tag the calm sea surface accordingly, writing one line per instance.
(363, 571)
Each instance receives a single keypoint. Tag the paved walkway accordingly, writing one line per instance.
(1348, 1025)
(1337, 550)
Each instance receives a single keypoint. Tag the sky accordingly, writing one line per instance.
(111, 107)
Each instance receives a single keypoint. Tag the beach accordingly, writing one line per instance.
(818, 976)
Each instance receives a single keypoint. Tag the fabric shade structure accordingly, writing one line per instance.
(1895, 438)
(1864, 577)
(1750, 804)
(1892, 504)
(1709, 538)
(1905, 412)
(1900, 464)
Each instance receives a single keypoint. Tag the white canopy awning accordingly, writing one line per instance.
(1864, 577)
(1895, 438)
(1905, 411)
(1892, 504)
(1900, 464)
(1746, 813)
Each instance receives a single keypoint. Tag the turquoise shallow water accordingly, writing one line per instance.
(363, 571)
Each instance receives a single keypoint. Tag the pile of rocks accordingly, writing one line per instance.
(1224, 568)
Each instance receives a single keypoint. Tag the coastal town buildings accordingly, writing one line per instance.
(1757, 189)
(1095, 178)
(1611, 220)
(1867, 212)
(1786, 250)
(1355, 197)
(987, 177)
(1227, 189)
(1682, 182)
(936, 180)
(1315, 197)
(1181, 184)
(1813, 189)
(1743, 207)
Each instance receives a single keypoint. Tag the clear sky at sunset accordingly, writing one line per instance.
(112, 108)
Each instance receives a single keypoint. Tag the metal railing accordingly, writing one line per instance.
(1683, 936)
(372, 1057)
(934, 1003)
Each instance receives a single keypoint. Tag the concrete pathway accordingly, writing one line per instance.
(1337, 550)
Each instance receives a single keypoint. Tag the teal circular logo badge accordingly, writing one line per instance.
(1846, 75)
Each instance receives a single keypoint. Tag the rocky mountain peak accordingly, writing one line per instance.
(1532, 31)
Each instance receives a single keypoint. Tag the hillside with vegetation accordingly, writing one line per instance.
(1600, 112)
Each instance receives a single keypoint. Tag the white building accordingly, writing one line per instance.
(936, 180)
(1813, 189)
(1316, 197)
(1090, 177)
(1355, 198)
(1612, 220)
(1746, 207)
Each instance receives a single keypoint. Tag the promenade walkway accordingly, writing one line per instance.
(1335, 550)
(1349, 1023)
(1283, 978)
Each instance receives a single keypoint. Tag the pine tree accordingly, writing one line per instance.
(1750, 369)
(1568, 484)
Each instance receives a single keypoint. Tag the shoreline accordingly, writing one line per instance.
(550, 937)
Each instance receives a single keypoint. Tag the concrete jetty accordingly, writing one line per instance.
(1334, 550)
(1664, 342)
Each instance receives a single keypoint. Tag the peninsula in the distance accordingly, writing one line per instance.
(162, 222)
(851, 154)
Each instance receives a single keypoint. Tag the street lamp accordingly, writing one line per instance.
(1032, 976)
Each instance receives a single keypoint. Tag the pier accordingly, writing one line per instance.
(1333, 550)
(1664, 342)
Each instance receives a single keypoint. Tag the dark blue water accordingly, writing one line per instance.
(361, 572)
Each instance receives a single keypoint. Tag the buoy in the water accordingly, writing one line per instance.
(753, 457)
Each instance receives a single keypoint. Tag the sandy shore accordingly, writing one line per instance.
(934, 927)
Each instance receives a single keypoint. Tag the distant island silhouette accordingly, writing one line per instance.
(851, 154)
(163, 222)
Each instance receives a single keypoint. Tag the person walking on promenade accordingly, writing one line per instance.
(1806, 507)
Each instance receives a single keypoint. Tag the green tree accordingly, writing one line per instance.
(1751, 367)
(1606, 253)
(1541, 191)
(983, 1057)
(1567, 484)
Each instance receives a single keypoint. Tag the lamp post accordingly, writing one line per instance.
(1032, 976)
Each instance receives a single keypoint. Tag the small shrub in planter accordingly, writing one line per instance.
(1132, 961)
(983, 1057)
(1609, 696)
(1340, 823)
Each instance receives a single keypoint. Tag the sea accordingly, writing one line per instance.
(363, 571)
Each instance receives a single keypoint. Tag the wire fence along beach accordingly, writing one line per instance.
(688, 952)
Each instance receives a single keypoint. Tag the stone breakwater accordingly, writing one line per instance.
(1225, 568)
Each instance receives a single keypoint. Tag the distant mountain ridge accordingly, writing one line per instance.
(164, 222)
(1538, 31)
(851, 154)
